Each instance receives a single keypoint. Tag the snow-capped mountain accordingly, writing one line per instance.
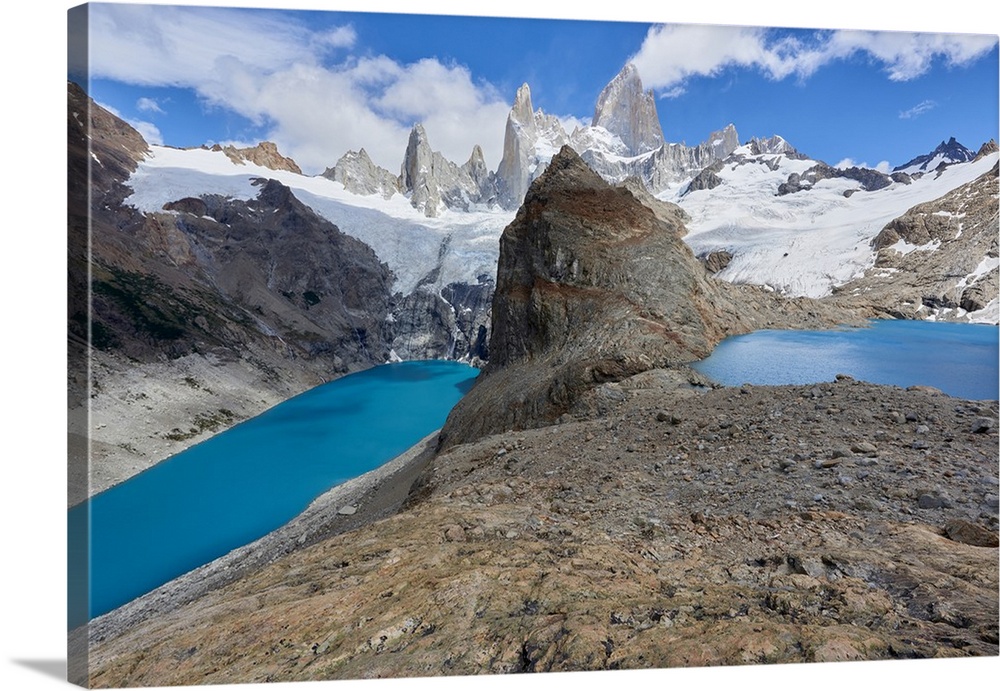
(626, 110)
(623, 140)
(766, 213)
(946, 153)
(356, 171)
(531, 138)
(805, 228)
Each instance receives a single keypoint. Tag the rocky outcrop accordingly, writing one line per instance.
(265, 154)
(707, 179)
(624, 109)
(358, 174)
(592, 287)
(986, 149)
(869, 179)
(938, 259)
(716, 261)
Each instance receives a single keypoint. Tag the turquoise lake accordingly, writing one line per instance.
(250, 480)
(959, 359)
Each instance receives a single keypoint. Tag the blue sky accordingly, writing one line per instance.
(320, 83)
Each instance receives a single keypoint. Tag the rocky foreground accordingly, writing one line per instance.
(591, 505)
(843, 521)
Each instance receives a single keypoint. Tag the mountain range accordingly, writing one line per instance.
(224, 280)
(624, 139)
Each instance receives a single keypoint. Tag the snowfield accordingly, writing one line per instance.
(805, 243)
(465, 245)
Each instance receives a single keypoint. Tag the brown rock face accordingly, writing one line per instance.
(265, 154)
(594, 286)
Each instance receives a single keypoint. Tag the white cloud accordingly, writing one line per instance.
(148, 105)
(917, 110)
(149, 131)
(882, 166)
(570, 123)
(316, 101)
(670, 54)
(340, 37)
(909, 55)
(181, 46)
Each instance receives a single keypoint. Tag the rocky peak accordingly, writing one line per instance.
(947, 152)
(723, 142)
(111, 144)
(522, 112)
(519, 159)
(772, 145)
(265, 154)
(416, 160)
(417, 176)
(356, 171)
(987, 148)
(484, 179)
(624, 109)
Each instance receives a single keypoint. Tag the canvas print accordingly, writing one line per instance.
(408, 345)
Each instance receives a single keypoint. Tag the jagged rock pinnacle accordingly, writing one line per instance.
(522, 111)
(624, 109)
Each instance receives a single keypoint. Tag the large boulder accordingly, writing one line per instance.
(593, 286)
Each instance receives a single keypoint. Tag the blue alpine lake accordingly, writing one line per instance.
(247, 481)
(959, 359)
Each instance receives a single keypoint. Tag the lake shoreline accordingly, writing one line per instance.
(655, 499)
(884, 351)
(362, 500)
